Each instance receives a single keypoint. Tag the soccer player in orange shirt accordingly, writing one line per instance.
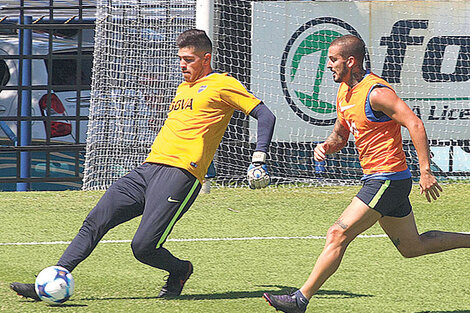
(166, 185)
(369, 108)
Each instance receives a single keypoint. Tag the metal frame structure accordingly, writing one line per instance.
(23, 20)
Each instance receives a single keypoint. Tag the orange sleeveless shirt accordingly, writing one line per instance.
(378, 139)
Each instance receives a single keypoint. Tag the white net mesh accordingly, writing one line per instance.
(135, 76)
(278, 50)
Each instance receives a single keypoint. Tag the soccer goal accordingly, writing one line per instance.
(278, 50)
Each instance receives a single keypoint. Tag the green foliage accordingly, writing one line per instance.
(231, 275)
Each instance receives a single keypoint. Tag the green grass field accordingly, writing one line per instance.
(231, 275)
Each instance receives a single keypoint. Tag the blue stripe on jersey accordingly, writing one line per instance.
(370, 113)
(389, 176)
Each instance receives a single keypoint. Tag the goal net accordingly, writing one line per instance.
(278, 50)
(135, 74)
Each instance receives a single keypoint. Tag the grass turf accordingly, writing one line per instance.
(231, 275)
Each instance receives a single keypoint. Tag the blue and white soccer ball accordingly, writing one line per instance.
(54, 285)
(258, 176)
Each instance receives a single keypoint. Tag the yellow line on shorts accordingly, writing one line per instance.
(379, 194)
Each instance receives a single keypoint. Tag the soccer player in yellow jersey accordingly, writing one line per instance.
(368, 107)
(165, 186)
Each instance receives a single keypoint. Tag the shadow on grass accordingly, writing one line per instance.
(67, 305)
(276, 289)
(455, 311)
(59, 305)
(320, 294)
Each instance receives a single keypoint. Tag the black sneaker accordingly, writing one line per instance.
(284, 303)
(174, 283)
(25, 290)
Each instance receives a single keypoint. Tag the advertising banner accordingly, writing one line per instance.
(420, 47)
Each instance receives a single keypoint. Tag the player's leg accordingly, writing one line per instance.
(404, 235)
(369, 205)
(398, 222)
(121, 202)
(169, 195)
(357, 218)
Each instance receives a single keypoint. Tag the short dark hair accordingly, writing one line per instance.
(195, 38)
(351, 46)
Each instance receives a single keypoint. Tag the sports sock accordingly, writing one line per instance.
(302, 302)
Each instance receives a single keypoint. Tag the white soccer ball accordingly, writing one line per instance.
(54, 285)
(258, 177)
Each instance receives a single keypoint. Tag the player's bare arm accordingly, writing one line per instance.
(335, 142)
(385, 100)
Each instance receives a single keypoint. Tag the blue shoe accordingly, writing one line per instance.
(285, 303)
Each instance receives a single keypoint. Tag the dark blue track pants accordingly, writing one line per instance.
(160, 193)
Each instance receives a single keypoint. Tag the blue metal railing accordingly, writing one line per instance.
(25, 40)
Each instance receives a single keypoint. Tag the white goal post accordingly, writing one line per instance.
(278, 50)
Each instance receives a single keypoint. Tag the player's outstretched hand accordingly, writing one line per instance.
(429, 186)
(257, 174)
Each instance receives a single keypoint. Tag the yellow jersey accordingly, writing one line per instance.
(196, 122)
(378, 139)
